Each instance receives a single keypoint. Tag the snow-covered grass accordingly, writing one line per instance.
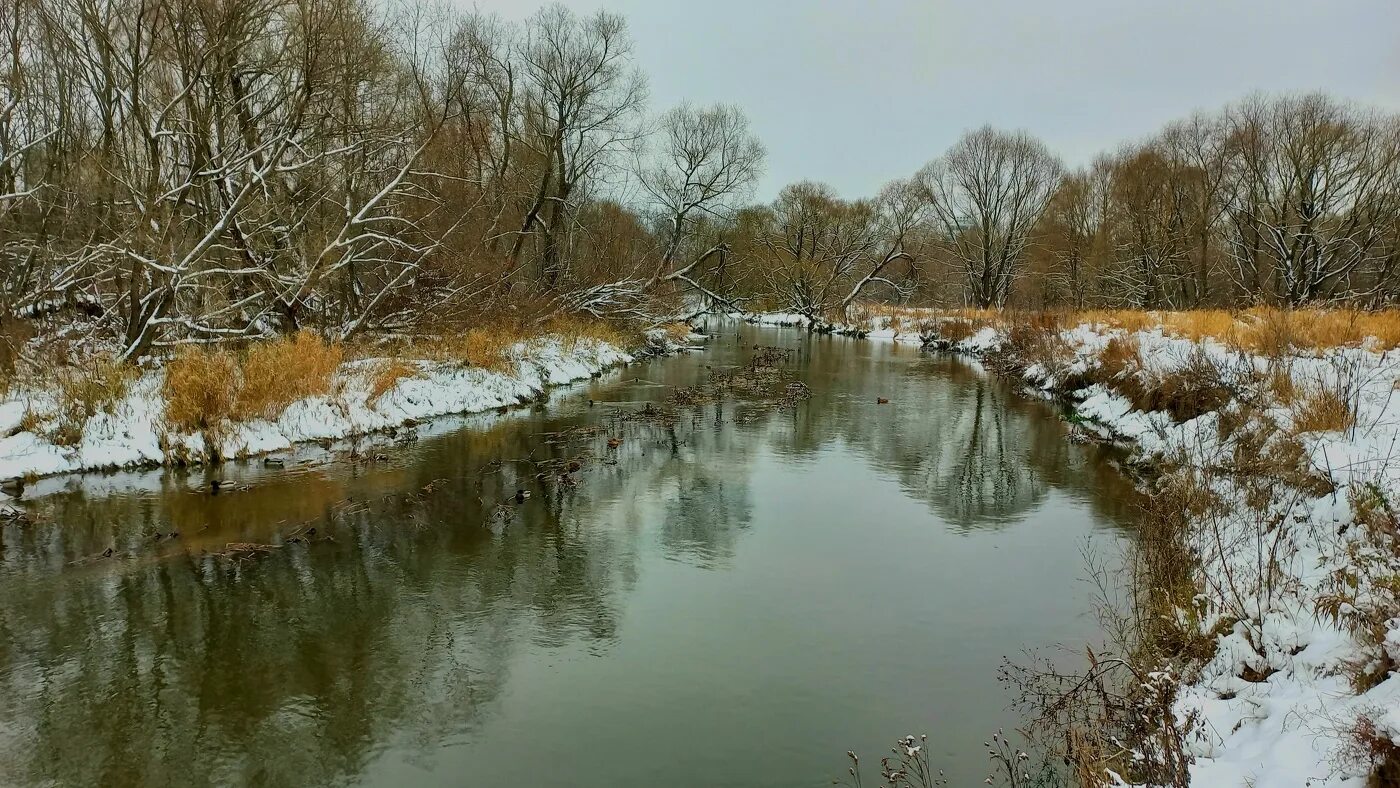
(1279, 459)
(364, 395)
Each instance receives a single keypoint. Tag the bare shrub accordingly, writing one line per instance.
(13, 335)
(1120, 358)
(1035, 339)
(1369, 746)
(82, 391)
(1363, 596)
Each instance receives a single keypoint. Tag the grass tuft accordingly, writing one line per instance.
(84, 390)
(385, 374)
(1323, 409)
(200, 388)
(277, 373)
(204, 388)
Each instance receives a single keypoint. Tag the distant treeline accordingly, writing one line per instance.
(207, 171)
(1282, 200)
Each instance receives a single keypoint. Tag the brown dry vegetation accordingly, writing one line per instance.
(385, 374)
(277, 373)
(1267, 331)
(203, 388)
(200, 389)
(573, 329)
(1323, 409)
(206, 387)
(84, 390)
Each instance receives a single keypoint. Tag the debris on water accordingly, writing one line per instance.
(274, 462)
(613, 443)
(13, 487)
(796, 392)
(239, 549)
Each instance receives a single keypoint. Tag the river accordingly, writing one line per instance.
(736, 595)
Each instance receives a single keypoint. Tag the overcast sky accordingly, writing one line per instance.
(856, 92)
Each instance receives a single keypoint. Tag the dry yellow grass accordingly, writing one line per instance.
(956, 329)
(1275, 332)
(277, 373)
(1282, 385)
(200, 388)
(203, 387)
(1197, 324)
(487, 348)
(1268, 331)
(1323, 409)
(572, 328)
(82, 391)
(1120, 357)
(1126, 319)
(385, 374)
(678, 333)
(95, 385)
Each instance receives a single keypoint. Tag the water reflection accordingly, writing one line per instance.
(396, 600)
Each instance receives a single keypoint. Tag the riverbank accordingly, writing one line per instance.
(1277, 460)
(135, 426)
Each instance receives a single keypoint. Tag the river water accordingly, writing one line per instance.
(735, 595)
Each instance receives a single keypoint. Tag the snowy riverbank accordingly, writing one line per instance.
(1296, 580)
(876, 328)
(133, 432)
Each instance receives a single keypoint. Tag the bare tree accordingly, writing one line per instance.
(581, 99)
(1311, 187)
(821, 251)
(899, 209)
(1075, 229)
(986, 194)
(707, 157)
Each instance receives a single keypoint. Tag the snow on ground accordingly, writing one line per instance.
(879, 328)
(1276, 705)
(133, 434)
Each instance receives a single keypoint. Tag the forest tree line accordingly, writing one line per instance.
(208, 171)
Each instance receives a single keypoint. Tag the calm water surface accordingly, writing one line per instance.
(736, 597)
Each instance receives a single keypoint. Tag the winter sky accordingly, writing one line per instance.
(856, 92)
